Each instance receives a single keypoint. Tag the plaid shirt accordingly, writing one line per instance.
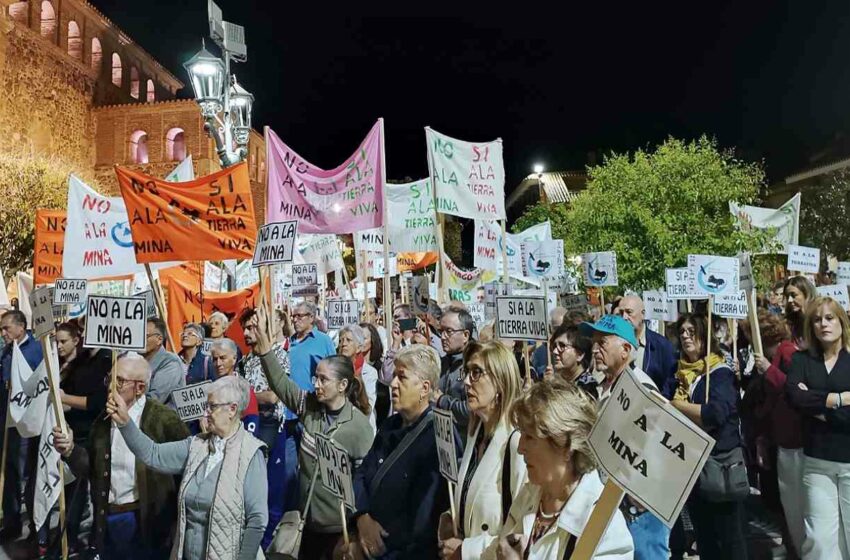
(251, 369)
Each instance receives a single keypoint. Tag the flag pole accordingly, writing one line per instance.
(156, 288)
(51, 360)
(504, 252)
(388, 302)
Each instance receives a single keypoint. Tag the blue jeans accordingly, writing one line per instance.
(123, 541)
(283, 476)
(651, 537)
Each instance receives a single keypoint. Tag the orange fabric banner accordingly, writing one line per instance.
(185, 303)
(189, 273)
(211, 218)
(49, 244)
(414, 261)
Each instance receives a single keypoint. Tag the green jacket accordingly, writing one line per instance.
(353, 434)
(157, 491)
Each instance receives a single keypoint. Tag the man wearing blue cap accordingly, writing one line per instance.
(614, 348)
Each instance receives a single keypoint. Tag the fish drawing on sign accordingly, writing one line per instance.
(710, 282)
(538, 266)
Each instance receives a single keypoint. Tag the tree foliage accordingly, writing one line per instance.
(655, 208)
(824, 215)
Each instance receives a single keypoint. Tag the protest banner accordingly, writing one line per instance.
(246, 275)
(379, 269)
(49, 245)
(414, 261)
(746, 279)
(275, 243)
(412, 220)
(649, 448)
(659, 307)
(731, 305)
(342, 313)
(803, 259)
(370, 240)
(838, 292)
(28, 394)
(842, 275)
(489, 244)
(336, 469)
(41, 303)
(210, 218)
(784, 221)
(345, 199)
(521, 318)
(324, 250)
(462, 284)
(468, 177)
(190, 401)
(574, 302)
(600, 269)
(679, 284)
(305, 274)
(115, 322)
(710, 275)
(478, 311)
(69, 292)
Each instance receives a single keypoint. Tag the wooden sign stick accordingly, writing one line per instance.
(600, 517)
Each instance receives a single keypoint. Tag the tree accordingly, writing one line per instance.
(655, 208)
(824, 214)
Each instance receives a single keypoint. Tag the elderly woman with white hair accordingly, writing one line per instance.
(224, 355)
(352, 344)
(222, 510)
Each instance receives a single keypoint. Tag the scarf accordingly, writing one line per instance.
(689, 372)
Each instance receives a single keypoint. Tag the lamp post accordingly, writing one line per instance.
(538, 169)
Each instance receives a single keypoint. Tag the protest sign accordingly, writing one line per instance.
(342, 312)
(336, 469)
(190, 401)
(491, 291)
(215, 277)
(370, 240)
(649, 448)
(521, 318)
(731, 305)
(574, 302)
(542, 259)
(150, 303)
(345, 199)
(746, 280)
(210, 218)
(784, 221)
(324, 250)
(28, 394)
(69, 292)
(412, 221)
(379, 269)
(600, 269)
(550, 297)
(419, 293)
(311, 290)
(488, 246)
(115, 322)
(803, 259)
(842, 275)
(49, 245)
(463, 284)
(206, 345)
(659, 307)
(679, 284)
(838, 292)
(710, 275)
(275, 243)
(444, 433)
(371, 290)
(469, 177)
(41, 302)
(305, 274)
(478, 312)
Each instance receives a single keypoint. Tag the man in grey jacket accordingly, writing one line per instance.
(166, 367)
(456, 327)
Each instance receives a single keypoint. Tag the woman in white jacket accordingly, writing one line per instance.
(550, 513)
(492, 471)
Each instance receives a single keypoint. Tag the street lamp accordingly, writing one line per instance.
(241, 102)
(538, 168)
(207, 74)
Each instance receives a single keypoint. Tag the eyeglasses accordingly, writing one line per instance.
(301, 315)
(211, 407)
(322, 380)
(119, 381)
(690, 333)
(447, 332)
(474, 374)
(152, 334)
(561, 346)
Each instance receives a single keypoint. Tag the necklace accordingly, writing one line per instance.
(543, 515)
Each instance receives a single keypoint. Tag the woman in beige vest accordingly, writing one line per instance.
(222, 500)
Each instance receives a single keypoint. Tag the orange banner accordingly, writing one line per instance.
(185, 303)
(414, 261)
(211, 218)
(49, 244)
(189, 273)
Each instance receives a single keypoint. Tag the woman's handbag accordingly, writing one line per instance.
(286, 541)
(724, 477)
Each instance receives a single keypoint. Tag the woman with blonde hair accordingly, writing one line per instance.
(548, 516)
(492, 471)
(818, 385)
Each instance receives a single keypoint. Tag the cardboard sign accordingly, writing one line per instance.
(150, 303)
(709, 275)
(842, 275)
(41, 301)
(275, 243)
(69, 292)
(521, 318)
(371, 290)
(803, 259)
(838, 292)
(478, 312)
(732, 306)
(659, 307)
(191, 401)
(379, 270)
(746, 280)
(649, 448)
(600, 269)
(542, 259)
(305, 274)
(446, 450)
(342, 312)
(491, 291)
(115, 322)
(336, 469)
(678, 284)
(206, 346)
(574, 302)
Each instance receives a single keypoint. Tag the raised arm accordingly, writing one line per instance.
(290, 394)
(168, 457)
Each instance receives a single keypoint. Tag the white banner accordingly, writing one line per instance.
(412, 220)
(446, 450)
(463, 284)
(275, 243)
(115, 322)
(842, 275)
(24, 282)
(543, 259)
(69, 292)
(838, 292)
(488, 246)
(521, 318)
(246, 274)
(732, 305)
(785, 219)
(469, 177)
(323, 250)
(803, 259)
(659, 307)
(600, 269)
(29, 392)
(48, 478)
(710, 275)
(183, 173)
(215, 278)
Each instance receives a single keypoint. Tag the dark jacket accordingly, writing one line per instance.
(85, 376)
(830, 439)
(412, 494)
(157, 492)
(451, 385)
(31, 349)
(659, 362)
(720, 418)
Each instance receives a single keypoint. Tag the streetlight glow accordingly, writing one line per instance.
(538, 168)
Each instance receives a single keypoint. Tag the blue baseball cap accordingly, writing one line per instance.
(611, 324)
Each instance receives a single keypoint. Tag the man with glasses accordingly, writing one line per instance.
(134, 507)
(308, 346)
(166, 367)
(196, 362)
(654, 353)
(456, 327)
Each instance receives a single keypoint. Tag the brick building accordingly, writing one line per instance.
(74, 85)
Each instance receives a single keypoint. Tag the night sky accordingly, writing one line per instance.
(769, 78)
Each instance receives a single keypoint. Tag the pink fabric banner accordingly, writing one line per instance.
(341, 200)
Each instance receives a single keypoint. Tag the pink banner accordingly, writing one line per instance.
(341, 200)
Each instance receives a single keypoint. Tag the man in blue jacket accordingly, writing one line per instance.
(13, 325)
(654, 353)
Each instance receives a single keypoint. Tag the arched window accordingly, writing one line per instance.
(175, 145)
(116, 69)
(75, 42)
(19, 11)
(96, 54)
(151, 92)
(48, 20)
(134, 82)
(139, 147)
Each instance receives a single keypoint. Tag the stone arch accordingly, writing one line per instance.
(134, 82)
(139, 147)
(150, 96)
(48, 20)
(96, 54)
(117, 74)
(75, 41)
(19, 11)
(175, 144)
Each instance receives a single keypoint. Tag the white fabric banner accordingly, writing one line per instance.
(786, 219)
(4, 295)
(463, 284)
(469, 177)
(183, 173)
(28, 395)
(488, 246)
(246, 274)
(323, 250)
(47, 471)
(215, 278)
(411, 216)
(24, 282)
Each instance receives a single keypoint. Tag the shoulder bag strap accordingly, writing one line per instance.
(571, 546)
(398, 451)
(507, 496)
